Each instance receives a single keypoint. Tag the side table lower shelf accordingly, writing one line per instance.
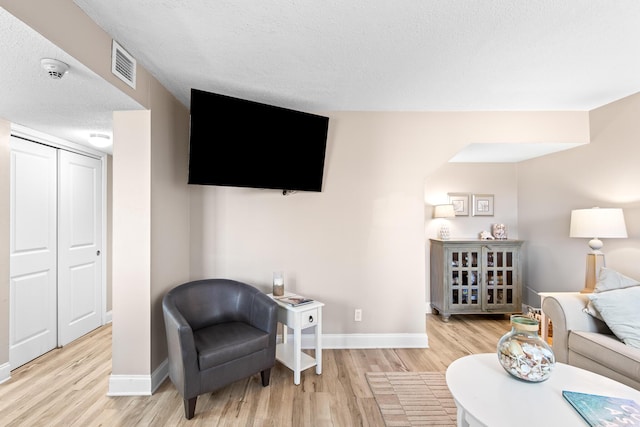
(285, 354)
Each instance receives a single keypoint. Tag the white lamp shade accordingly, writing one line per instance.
(597, 223)
(443, 211)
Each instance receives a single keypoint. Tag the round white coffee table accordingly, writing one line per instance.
(486, 395)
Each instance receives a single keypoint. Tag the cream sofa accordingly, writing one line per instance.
(581, 340)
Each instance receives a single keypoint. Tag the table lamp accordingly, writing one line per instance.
(596, 223)
(444, 211)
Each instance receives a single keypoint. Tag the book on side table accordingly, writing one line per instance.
(294, 300)
(604, 411)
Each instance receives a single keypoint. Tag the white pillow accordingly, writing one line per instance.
(609, 280)
(620, 310)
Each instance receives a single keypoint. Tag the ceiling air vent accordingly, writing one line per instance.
(123, 65)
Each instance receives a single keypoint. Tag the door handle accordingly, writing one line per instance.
(98, 252)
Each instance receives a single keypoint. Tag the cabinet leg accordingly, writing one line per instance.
(445, 317)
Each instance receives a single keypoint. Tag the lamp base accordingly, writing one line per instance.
(595, 261)
(445, 234)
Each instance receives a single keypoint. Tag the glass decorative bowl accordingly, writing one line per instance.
(522, 352)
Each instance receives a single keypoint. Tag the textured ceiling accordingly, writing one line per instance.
(357, 55)
(386, 55)
(70, 108)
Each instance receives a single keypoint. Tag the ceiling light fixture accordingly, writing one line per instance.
(54, 68)
(99, 140)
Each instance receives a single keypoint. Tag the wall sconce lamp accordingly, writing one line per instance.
(444, 211)
(596, 223)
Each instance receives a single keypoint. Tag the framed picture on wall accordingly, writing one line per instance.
(460, 202)
(482, 205)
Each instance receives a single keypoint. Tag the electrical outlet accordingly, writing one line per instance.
(358, 315)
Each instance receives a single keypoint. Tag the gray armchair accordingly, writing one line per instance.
(218, 331)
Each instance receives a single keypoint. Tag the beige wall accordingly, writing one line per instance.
(169, 208)
(603, 173)
(361, 243)
(5, 167)
(131, 243)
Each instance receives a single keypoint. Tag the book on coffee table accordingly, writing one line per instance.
(604, 411)
(294, 300)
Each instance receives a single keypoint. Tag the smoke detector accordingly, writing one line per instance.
(54, 68)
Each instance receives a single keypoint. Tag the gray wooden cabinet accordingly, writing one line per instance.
(476, 276)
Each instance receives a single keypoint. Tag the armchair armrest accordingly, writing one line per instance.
(565, 309)
(264, 314)
(183, 357)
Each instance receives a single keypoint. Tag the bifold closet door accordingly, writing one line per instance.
(33, 246)
(79, 246)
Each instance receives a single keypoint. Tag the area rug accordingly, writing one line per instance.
(413, 398)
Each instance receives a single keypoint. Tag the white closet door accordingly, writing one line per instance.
(33, 251)
(79, 246)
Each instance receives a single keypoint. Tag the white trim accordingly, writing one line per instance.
(53, 141)
(138, 385)
(103, 251)
(129, 385)
(353, 341)
(5, 372)
(143, 385)
(108, 317)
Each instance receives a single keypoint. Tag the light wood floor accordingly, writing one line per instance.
(68, 386)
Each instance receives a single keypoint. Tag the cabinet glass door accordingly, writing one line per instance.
(500, 289)
(464, 280)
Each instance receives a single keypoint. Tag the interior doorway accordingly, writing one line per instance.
(56, 277)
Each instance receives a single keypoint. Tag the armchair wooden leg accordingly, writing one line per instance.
(190, 407)
(265, 375)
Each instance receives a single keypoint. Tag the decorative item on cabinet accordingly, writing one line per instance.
(499, 231)
(485, 235)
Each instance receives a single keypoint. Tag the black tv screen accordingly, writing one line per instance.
(241, 143)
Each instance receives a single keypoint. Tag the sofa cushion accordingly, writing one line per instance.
(224, 342)
(606, 350)
(619, 309)
(609, 280)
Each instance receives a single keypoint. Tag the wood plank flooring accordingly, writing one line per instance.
(68, 386)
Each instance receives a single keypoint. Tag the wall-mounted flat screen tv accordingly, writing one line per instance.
(241, 143)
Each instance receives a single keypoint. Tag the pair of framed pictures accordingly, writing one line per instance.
(481, 204)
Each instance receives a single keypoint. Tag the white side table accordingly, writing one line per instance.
(299, 318)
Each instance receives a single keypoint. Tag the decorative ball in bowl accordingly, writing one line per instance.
(523, 354)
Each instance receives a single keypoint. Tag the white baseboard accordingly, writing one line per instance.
(138, 385)
(108, 317)
(146, 385)
(348, 341)
(129, 385)
(5, 372)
